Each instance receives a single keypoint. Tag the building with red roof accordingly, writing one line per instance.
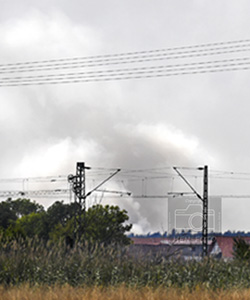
(186, 248)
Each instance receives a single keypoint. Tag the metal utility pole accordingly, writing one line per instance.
(205, 214)
(204, 200)
(79, 188)
(79, 184)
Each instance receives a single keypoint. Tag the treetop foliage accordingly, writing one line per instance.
(99, 224)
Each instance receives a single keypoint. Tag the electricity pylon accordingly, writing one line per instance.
(78, 185)
(204, 200)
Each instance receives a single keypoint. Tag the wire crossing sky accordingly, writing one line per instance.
(140, 85)
(132, 58)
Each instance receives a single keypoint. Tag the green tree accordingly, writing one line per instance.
(11, 210)
(100, 224)
(34, 221)
(60, 219)
(33, 224)
(23, 207)
(105, 225)
(63, 232)
(60, 213)
(241, 249)
(7, 215)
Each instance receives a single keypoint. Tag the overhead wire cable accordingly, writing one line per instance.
(133, 53)
(65, 192)
(136, 53)
(127, 72)
(131, 172)
(231, 172)
(126, 77)
(97, 72)
(106, 62)
(36, 179)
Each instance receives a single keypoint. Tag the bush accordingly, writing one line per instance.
(241, 249)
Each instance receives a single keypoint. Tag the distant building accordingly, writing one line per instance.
(186, 248)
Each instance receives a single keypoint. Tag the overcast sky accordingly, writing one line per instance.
(187, 120)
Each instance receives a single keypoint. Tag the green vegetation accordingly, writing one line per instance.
(61, 245)
(32, 262)
(63, 222)
(241, 250)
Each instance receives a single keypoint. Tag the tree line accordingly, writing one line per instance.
(61, 221)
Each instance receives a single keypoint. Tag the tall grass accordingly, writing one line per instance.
(117, 293)
(34, 263)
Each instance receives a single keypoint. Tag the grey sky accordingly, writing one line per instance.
(184, 120)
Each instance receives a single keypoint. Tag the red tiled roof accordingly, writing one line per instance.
(148, 241)
(164, 241)
(226, 244)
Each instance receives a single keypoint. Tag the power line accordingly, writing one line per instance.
(35, 179)
(126, 77)
(160, 173)
(35, 193)
(138, 70)
(148, 52)
(108, 62)
(149, 173)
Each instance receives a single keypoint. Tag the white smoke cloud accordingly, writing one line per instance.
(138, 124)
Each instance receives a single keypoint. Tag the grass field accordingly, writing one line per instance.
(116, 293)
(30, 269)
